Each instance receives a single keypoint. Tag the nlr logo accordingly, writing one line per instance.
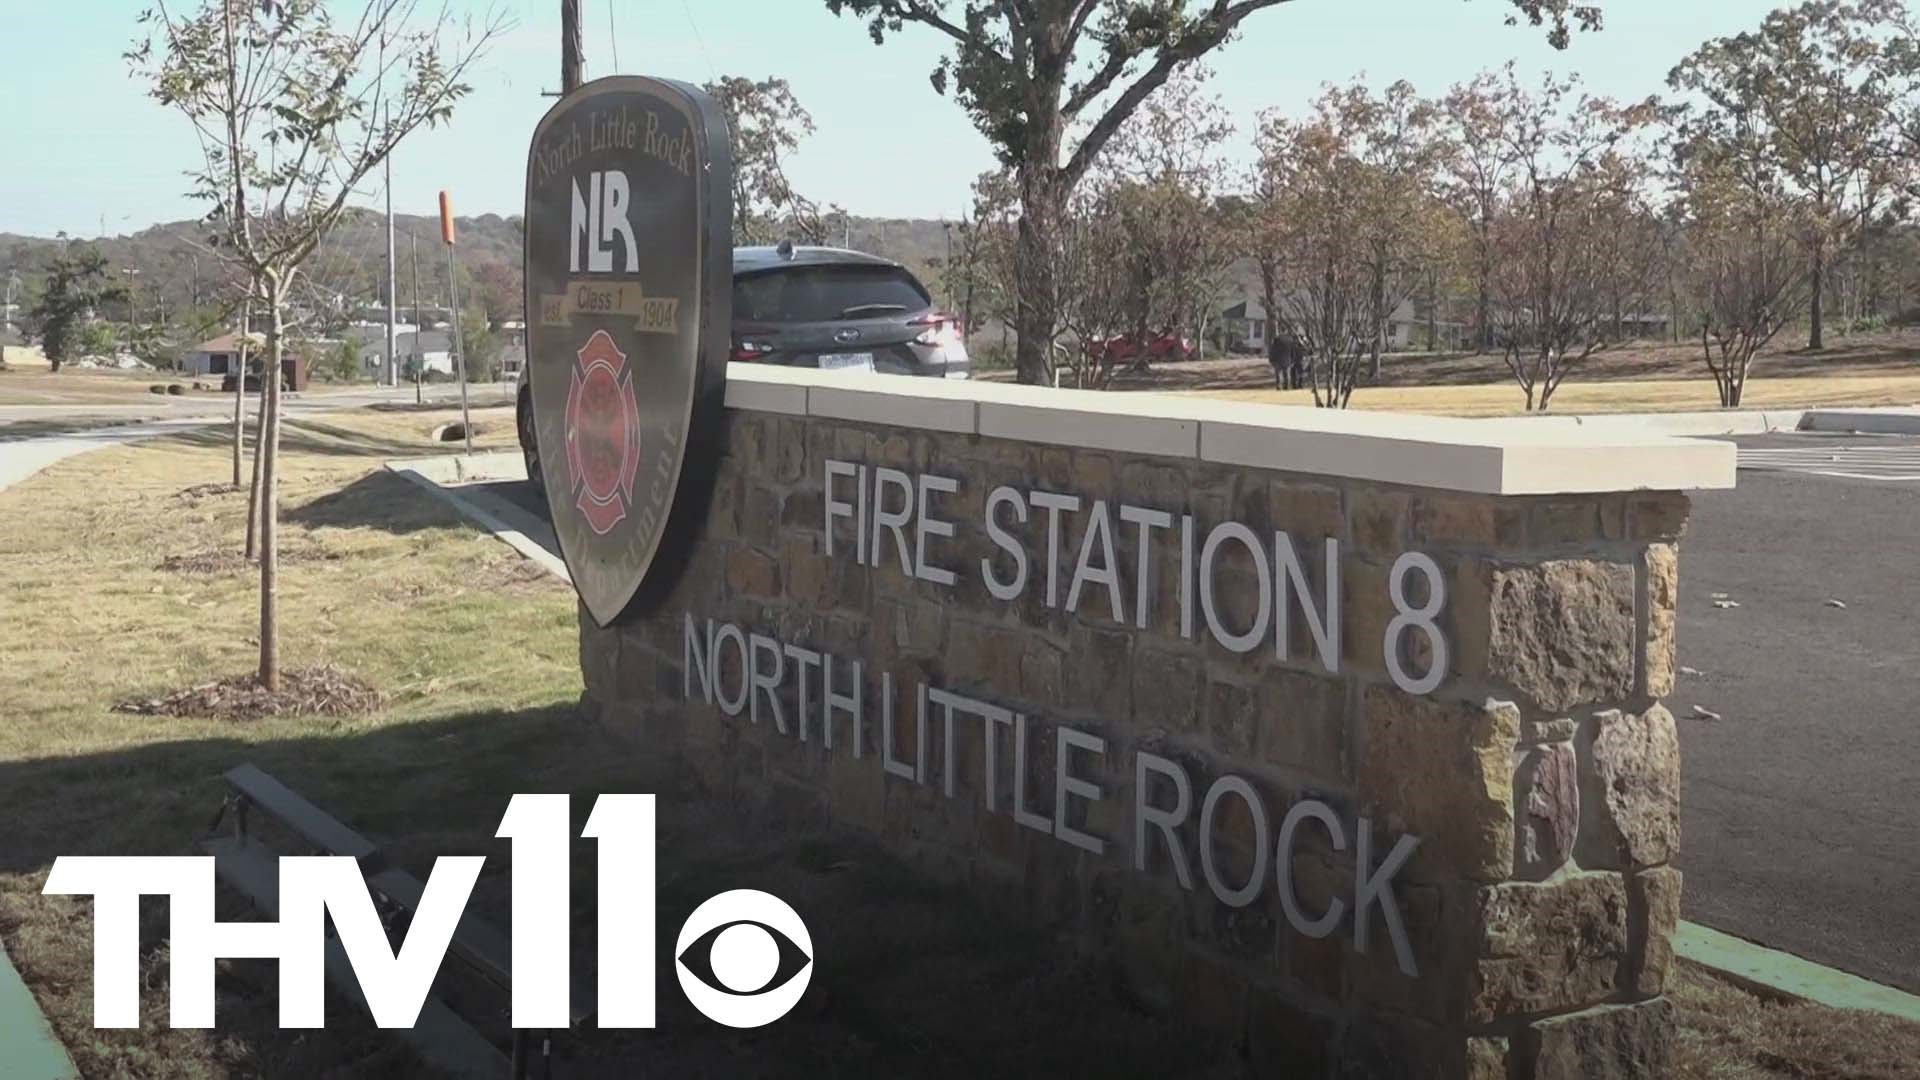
(743, 957)
(600, 214)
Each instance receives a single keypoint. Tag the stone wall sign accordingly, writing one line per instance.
(629, 288)
(1343, 739)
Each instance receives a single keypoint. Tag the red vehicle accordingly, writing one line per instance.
(1125, 350)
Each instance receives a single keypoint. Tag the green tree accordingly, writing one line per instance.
(97, 339)
(292, 109)
(1049, 83)
(766, 123)
(482, 345)
(346, 362)
(77, 284)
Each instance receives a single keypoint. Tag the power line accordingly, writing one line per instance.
(700, 41)
(613, 37)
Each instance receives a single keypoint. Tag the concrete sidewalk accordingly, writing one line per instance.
(21, 458)
(28, 1049)
(1873, 420)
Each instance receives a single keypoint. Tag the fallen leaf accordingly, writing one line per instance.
(1701, 712)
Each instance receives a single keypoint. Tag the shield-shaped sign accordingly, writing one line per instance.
(629, 270)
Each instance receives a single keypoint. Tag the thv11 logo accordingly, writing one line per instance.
(743, 957)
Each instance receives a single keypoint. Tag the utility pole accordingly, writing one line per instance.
(393, 333)
(413, 242)
(571, 60)
(133, 303)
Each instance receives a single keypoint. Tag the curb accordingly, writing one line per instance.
(1684, 424)
(508, 523)
(1887, 420)
(27, 1043)
(1778, 974)
(1867, 420)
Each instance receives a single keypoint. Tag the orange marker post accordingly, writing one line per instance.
(453, 297)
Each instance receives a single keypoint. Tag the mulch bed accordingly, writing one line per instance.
(228, 560)
(197, 492)
(314, 691)
(213, 561)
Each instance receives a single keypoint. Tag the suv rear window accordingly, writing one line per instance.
(824, 293)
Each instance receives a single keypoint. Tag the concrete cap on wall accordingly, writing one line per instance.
(1510, 456)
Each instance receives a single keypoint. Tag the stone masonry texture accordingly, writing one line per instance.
(1541, 777)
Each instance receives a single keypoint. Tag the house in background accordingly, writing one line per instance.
(1248, 327)
(431, 349)
(221, 356)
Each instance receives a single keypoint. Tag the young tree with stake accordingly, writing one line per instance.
(293, 106)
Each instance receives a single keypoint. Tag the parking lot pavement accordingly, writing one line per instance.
(1844, 457)
(1801, 797)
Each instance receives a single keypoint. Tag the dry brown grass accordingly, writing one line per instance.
(1877, 369)
(477, 662)
(1727, 1033)
(1664, 395)
(36, 384)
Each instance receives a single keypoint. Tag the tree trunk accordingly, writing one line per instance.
(1033, 273)
(1483, 309)
(1816, 335)
(1433, 310)
(253, 490)
(240, 390)
(269, 440)
(1379, 300)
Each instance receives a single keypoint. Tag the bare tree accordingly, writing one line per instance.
(1030, 72)
(293, 108)
(1477, 169)
(1549, 280)
(1344, 225)
(1311, 228)
(1749, 273)
(1160, 182)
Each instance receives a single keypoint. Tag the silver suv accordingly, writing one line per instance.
(820, 307)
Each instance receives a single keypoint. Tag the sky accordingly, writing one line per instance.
(82, 149)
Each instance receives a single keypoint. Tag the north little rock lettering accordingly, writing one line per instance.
(829, 693)
(1064, 551)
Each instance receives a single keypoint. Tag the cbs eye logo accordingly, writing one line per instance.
(744, 958)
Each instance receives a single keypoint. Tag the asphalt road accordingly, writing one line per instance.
(1802, 801)
(216, 406)
(33, 437)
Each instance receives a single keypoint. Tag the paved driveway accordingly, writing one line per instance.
(1802, 803)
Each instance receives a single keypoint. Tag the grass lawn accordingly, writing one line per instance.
(476, 656)
(1868, 369)
(26, 383)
